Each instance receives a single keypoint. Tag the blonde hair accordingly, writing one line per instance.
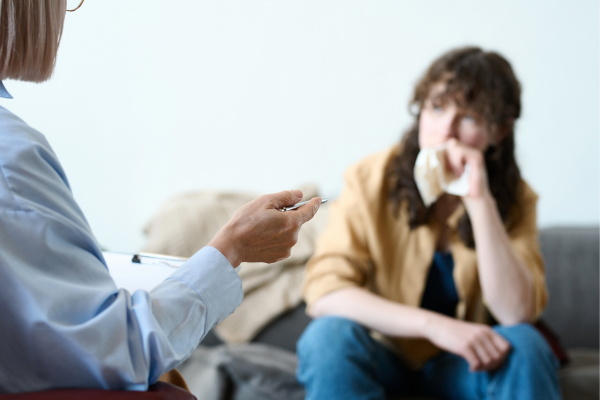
(30, 32)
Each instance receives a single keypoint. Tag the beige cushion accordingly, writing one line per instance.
(186, 223)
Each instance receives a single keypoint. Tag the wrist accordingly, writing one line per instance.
(227, 248)
(430, 324)
(481, 203)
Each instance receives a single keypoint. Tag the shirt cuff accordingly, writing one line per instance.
(217, 283)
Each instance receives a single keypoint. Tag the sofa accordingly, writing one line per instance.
(572, 264)
(571, 256)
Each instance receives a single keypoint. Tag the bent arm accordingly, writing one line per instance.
(374, 312)
(509, 262)
(70, 326)
(502, 271)
(64, 322)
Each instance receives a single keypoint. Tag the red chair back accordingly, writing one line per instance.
(158, 391)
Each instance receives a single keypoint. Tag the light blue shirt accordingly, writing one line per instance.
(63, 322)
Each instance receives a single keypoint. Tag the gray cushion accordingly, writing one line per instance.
(579, 380)
(572, 265)
(571, 258)
(244, 372)
(284, 332)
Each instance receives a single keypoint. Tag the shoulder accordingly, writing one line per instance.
(526, 194)
(21, 144)
(33, 184)
(372, 171)
(15, 131)
(523, 214)
(526, 203)
(30, 173)
(366, 183)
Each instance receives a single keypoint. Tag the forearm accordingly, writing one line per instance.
(374, 312)
(505, 280)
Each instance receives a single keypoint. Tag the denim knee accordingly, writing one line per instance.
(331, 338)
(528, 344)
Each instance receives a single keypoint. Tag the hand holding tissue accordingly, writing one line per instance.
(433, 178)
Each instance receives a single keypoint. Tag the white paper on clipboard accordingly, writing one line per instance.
(133, 276)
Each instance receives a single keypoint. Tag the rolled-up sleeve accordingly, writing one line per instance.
(341, 256)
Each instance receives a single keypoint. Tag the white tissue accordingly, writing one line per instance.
(433, 179)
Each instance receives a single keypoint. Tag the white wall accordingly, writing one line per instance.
(152, 98)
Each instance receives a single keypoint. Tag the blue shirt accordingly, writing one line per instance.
(440, 291)
(63, 322)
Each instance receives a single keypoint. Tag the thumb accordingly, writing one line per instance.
(308, 211)
(284, 199)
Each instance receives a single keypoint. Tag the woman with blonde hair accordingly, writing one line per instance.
(64, 322)
(404, 285)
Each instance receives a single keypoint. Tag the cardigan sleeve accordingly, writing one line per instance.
(341, 257)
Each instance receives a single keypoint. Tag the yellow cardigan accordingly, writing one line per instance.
(364, 245)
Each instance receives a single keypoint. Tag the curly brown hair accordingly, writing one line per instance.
(482, 82)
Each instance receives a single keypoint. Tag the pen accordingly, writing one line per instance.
(297, 205)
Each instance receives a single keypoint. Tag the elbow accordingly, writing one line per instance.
(527, 315)
(518, 308)
(519, 313)
(515, 319)
(334, 303)
(316, 309)
(328, 304)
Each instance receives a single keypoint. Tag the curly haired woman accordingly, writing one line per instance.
(404, 295)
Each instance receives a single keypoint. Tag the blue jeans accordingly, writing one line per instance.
(337, 359)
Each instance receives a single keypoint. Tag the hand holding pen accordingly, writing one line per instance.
(298, 205)
(260, 232)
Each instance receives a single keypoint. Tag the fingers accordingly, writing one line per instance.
(491, 349)
(472, 359)
(284, 199)
(459, 155)
(259, 233)
(484, 356)
(502, 345)
(493, 352)
(454, 159)
(308, 211)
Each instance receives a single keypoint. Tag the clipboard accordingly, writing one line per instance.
(145, 273)
(151, 259)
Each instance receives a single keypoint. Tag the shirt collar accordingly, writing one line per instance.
(3, 92)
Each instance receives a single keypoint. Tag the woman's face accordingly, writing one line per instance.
(442, 119)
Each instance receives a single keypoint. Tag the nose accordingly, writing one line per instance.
(449, 126)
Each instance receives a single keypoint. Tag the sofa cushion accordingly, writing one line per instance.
(579, 379)
(571, 258)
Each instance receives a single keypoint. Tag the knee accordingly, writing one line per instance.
(330, 337)
(528, 344)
